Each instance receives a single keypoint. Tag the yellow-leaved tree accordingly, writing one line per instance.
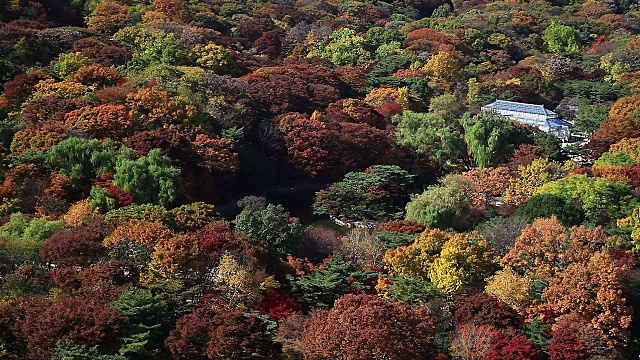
(532, 177)
(442, 68)
(449, 261)
(510, 288)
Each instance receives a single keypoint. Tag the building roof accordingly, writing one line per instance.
(559, 122)
(521, 107)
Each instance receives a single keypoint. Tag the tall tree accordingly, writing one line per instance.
(368, 327)
(490, 138)
(209, 333)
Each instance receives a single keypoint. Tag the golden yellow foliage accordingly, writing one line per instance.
(532, 177)
(449, 261)
(510, 288)
(442, 67)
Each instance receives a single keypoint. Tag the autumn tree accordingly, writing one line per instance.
(365, 327)
(103, 121)
(210, 333)
(473, 342)
(84, 320)
(443, 67)
(510, 288)
(544, 249)
(574, 339)
(611, 131)
(440, 258)
(483, 309)
(593, 289)
(531, 177)
(291, 88)
(77, 247)
(513, 348)
(331, 149)
(240, 283)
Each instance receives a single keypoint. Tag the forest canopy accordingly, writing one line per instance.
(313, 180)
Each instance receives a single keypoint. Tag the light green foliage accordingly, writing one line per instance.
(561, 39)
(69, 350)
(101, 199)
(602, 200)
(356, 196)
(490, 137)
(78, 158)
(150, 179)
(616, 159)
(25, 235)
(151, 46)
(69, 63)
(386, 50)
(271, 227)
(146, 316)
(345, 47)
(442, 206)
(429, 133)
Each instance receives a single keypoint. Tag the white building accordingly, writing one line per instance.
(534, 115)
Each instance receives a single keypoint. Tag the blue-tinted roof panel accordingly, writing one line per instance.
(559, 122)
(520, 107)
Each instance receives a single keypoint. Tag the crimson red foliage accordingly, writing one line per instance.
(524, 155)
(106, 52)
(389, 109)
(566, 345)
(278, 305)
(109, 273)
(513, 348)
(216, 237)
